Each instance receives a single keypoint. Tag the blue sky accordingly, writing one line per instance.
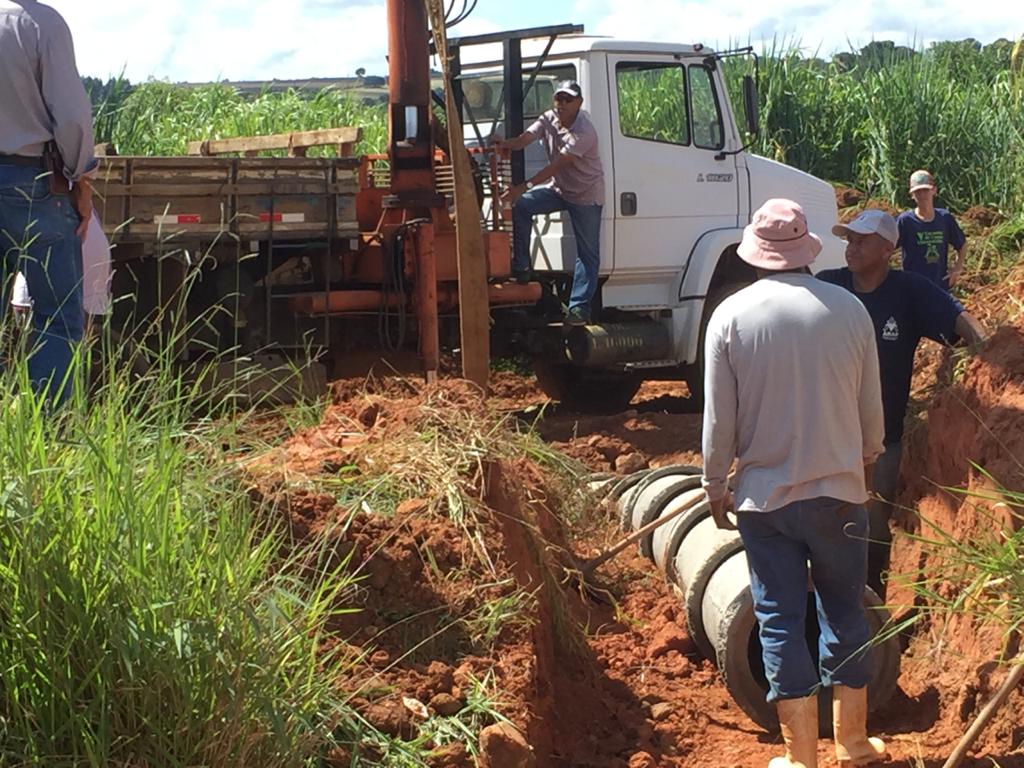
(202, 40)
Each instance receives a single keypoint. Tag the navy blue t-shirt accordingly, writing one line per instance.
(925, 244)
(904, 309)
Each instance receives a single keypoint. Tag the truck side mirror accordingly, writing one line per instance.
(750, 105)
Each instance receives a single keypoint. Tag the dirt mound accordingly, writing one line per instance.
(449, 595)
(848, 196)
(972, 438)
(658, 429)
(979, 218)
(852, 212)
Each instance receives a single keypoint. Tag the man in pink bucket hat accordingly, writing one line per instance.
(793, 394)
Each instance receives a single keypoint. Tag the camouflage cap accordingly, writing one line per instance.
(921, 180)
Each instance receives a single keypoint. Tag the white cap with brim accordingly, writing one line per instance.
(777, 238)
(570, 88)
(871, 222)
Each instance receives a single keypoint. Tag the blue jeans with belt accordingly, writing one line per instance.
(37, 237)
(586, 227)
(830, 536)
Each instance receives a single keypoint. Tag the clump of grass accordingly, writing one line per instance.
(868, 118)
(515, 608)
(147, 618)
(982, 577)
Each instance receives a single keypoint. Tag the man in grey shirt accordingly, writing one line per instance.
(792, 393)
(577, 186)
(43, 106)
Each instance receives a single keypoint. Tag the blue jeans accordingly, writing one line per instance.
(586, 227)
(832, 535)
(887, 475)
(37, 236)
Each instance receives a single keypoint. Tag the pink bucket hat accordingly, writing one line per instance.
(777, 237)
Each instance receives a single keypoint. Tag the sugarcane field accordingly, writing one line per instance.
(454, 384)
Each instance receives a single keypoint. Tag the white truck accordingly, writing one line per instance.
(680, 187)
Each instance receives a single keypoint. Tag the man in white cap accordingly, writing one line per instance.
(926, 234)
(904, 308)
(573, 181)
(792, 393)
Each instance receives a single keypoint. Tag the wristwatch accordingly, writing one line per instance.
(529, 184)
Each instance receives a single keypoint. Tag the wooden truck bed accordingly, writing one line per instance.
(170, 200)
(150, 199)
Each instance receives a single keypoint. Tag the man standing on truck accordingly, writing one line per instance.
(904, 308)
(576, 185)
(792, 392)
(46, 154)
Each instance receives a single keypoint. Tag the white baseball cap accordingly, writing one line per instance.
(870, 222)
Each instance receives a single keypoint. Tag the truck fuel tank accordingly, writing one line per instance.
(599, 345)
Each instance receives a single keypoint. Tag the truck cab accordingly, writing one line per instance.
(680, 187)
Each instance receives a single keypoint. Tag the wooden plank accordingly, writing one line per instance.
(474, 306)
(168, 192)
(201, 163)
(136, 229)
(290, 141)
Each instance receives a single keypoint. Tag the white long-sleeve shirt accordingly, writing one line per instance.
(41, 95)
(792, 391)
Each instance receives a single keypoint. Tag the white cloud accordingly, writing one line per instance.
(201, 40)
(814, 24)
(232, 39)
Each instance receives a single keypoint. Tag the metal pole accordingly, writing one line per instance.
(513, 60)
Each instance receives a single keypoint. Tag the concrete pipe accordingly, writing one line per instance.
(666, 539)
(622, 487)
(652, 499)
(704, 547)
(727, 614)
(628, 499)
(600, 483)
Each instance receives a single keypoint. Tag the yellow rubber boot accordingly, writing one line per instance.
(798, 719)
(849, 724)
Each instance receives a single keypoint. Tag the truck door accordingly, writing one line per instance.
(671, 183)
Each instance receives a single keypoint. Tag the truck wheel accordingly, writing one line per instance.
(585, 390)
(695, 372)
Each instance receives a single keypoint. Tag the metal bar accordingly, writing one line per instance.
(517, 34)
(537, 67)
(513, 60)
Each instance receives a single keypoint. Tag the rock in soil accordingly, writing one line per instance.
(642, 760)
(628, 463)
(502, 746)
(669, 638)
(452, 755)
(661, 711)
(445, 705)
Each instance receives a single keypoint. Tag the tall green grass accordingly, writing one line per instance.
(870, 119)
(149, 617)
(161, 119)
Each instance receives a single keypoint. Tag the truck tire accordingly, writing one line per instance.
(695, 372)
(585, 390)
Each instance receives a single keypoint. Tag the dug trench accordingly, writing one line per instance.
(454, 603)
(463, 521)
